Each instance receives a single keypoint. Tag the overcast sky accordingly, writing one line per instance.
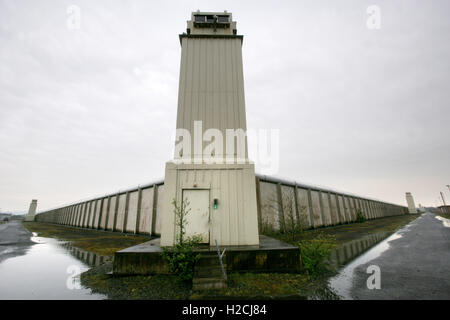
(90, 111)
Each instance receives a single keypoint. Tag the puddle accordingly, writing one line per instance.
(445, 222)
(342, 282)
(7, 250)
(341, 256)
(352, 249)
(89, 258)
(50, 269)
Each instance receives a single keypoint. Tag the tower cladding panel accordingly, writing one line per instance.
(211, 96)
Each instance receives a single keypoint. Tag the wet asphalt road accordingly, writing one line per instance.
(416, 265)
(15, 240)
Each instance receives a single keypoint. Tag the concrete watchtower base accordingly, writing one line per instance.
(270, 256)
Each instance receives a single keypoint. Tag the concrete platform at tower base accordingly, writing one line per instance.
(270, 256)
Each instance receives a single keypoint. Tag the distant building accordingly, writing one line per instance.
(421, 209)
(5, 216)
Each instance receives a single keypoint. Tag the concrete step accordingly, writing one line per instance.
(205, 271)
(208, 273)
(208, 283)
(208, 260)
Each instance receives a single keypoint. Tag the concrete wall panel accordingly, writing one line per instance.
(96, 218)
(303, 207)
(79, 214)
(71, 215)
(89, 208)
(334, 209)
(348, 214)
(75, 214)
(121, 212)
(317, 214)
(352, 209)
(366, 208)
(132, 211)
(104, 217)
(269, 205)
(145, 221)
(342, 216)
(159, 203)
(326, 209)
(288, 205)
(111, 213)
(83, 214)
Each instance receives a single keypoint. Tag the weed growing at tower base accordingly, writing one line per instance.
(181, 258)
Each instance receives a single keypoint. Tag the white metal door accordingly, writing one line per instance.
(198, 217)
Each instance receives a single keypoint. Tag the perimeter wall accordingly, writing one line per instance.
(281, 204)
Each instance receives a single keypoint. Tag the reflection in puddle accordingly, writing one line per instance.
(445, 222)
(46, 271)
(89, 258)
(350, 250)
(7, 250)
(342, 282)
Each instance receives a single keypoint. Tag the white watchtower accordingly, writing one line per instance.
(410, 201)
(31, 211)
(211, 167)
